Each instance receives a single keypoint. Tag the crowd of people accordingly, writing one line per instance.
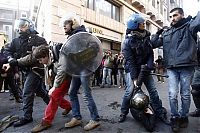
(30, 55)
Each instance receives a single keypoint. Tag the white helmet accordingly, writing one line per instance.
(70, 17)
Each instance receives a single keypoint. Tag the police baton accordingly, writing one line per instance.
(166, 76)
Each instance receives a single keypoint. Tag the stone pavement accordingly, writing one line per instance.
(108, 101)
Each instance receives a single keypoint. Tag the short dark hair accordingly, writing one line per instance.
(180, 10)
(41, 51)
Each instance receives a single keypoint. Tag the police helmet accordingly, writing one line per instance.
(70, 17)
(134, 20)
(22, 23)
(139, 101)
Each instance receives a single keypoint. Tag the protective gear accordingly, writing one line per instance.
(83, 54)
(147, 118)
(70, 17)
(139, 100)
(134, 20)
(196, 95)
(22, 23)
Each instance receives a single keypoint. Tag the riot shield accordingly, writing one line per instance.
(83, 52)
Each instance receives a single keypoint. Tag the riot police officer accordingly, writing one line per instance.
(19, 54)
(138, 51)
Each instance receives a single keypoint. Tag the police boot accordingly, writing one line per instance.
(22, 121)
(122, 118)
(174, 124)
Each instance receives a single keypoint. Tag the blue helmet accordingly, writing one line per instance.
(134, 20)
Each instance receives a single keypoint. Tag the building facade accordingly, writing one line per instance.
(104, 18)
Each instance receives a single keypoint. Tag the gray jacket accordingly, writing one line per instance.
(63, 64)
(179, 43)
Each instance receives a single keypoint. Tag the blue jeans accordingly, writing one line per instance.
(106, 76)
(87, 97)
(121, 77)
(155, 101)
(182, 76)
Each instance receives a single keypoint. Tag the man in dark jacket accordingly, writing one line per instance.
(18, 53)
(137, 51)
(180, 57)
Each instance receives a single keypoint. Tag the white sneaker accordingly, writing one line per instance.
(91, 125)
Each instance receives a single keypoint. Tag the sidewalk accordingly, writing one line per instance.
(108, 102)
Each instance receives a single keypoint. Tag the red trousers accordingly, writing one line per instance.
(57, 100)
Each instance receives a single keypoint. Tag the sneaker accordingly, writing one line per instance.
(183, 122)
(122, 118)
(120, 87)
(22, 121)
(66, 112)
(91, 125)
(40, 127)
(175, 124)
(74, 122)
(196, 113)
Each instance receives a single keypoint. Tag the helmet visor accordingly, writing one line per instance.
(19, 24)
(23, 23)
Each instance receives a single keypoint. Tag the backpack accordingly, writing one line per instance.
(55, 48)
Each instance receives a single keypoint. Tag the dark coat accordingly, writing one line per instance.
(21, 48)
(179, 43)
(137, 51)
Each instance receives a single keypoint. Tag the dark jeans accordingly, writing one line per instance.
(33, 84)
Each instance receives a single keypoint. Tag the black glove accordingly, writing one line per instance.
(13, 62)
(159, 31)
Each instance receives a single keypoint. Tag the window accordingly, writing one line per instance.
(161, 9)
(35, 9)
(104, 7)
(23, 14)
(90, 4)
(153, 3)
(148, 26)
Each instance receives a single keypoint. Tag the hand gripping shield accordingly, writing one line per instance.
(83, 52)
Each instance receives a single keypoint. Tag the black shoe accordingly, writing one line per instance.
(22, 121)
(163, 118)
(183, 122)
(101, 86)
(122, 118)
(18, 100)
(196, 113)
(11, 97)
(175, 124)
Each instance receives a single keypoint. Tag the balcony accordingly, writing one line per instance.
(139, 4)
